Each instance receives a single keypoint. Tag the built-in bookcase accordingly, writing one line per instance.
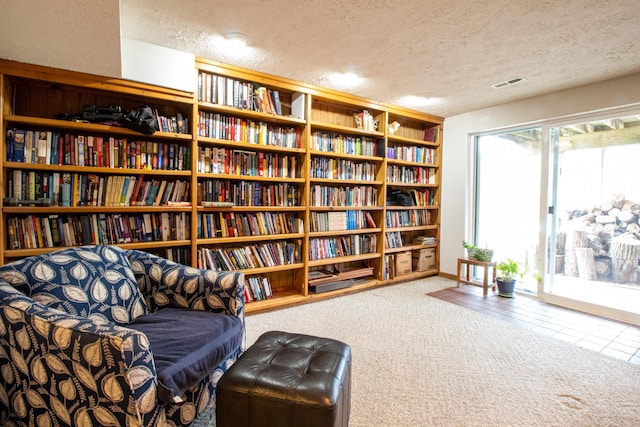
(68, 182)
(284, 181)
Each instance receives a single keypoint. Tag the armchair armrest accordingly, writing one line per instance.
(165, 283)
(72, 369)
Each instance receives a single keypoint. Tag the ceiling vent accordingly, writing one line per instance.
(508, 82)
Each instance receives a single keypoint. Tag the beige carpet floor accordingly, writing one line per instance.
(420, 361)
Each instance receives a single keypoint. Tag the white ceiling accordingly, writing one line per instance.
(452, 51)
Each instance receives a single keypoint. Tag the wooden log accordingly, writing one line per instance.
(605, 219)
(635, 209)
(586, 263)
(625, 247)
(561, 238)
(625, 252)
(625, 270)
(615, 212)
(603, 268)
(626, 216)
(606, 206)
(633, 228)
(617, 200)
(570, 263)
(575, 239)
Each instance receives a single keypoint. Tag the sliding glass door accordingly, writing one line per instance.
(593, 223)
(563, 200)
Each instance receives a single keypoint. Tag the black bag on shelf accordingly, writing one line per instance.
(399, 198)
(141, 120)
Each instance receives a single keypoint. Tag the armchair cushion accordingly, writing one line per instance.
(93, 282)
(187, 346)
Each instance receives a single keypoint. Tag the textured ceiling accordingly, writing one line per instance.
(452, 51)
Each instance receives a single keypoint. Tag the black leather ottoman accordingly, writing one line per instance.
(287, 379)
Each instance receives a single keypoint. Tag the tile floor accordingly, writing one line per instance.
(616, 339)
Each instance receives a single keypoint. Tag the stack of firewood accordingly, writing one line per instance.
(602, 243)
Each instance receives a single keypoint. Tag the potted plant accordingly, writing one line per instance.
(506, 277)
(478, 254)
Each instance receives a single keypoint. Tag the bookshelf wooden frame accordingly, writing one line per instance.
(32, 94)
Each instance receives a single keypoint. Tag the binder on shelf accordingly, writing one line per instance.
(298, 105)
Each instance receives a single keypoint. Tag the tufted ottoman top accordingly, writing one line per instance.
(287, 379)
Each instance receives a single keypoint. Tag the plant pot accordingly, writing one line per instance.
(480, 254)
(506, 287)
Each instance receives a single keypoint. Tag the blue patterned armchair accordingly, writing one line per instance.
(98, 335)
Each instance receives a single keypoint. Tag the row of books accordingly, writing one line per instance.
(249, 163)
(77, 189)
(251, 256)
(412, 153)
(231, 224)
(50, 231)
(361, 195)
(389, 269)
(393, 240)
(257, 288)
(333, 247)
(173, 124)
(50, 147)
(343, 144)
(410, 175)
(330, 168)
(365, 120)
(337, 221)
(410, 218)
(235, 93)
(238, 129)
(248, 193)
(424, 197)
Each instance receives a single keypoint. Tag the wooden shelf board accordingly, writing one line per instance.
(91, 127)
(343, 232)
(338, 260)
(83, 210)
(257, 115)
(405, 140)
(252, 238)
(246, 145)
(352, 157)
(345, 129)
(95, 169)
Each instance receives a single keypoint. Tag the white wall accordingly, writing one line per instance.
(456, 147)
(160, 66)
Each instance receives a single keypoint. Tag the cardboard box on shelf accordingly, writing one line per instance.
(424, 259)
(403, 263)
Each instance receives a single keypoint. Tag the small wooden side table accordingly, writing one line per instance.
(465, 264)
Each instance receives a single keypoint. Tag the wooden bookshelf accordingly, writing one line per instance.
(320, 161)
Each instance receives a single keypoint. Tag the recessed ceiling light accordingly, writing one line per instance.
(237, 39)
(508, 82)
(413, 101)
(350, 78)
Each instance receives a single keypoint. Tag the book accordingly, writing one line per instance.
(276, 102)
(209, 204)
(18, 136)
(42, 147)
(298, 105)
